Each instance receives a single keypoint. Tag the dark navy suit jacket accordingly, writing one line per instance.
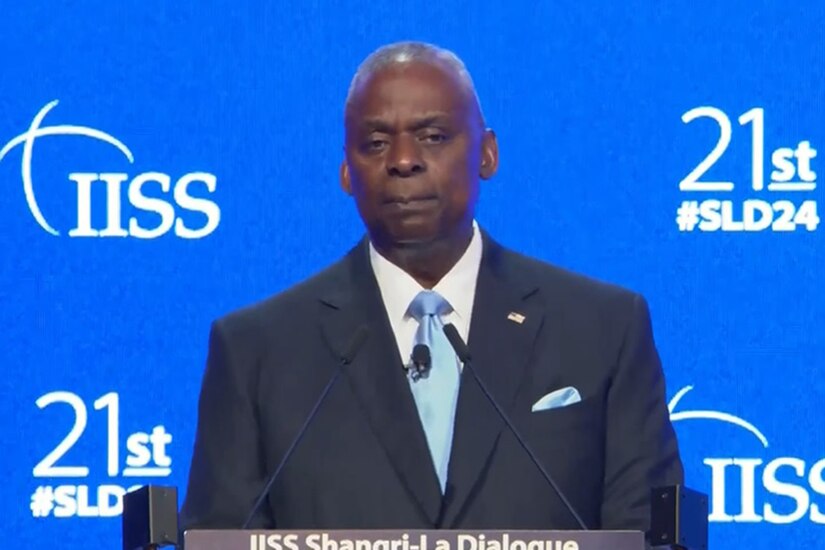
(364, 461)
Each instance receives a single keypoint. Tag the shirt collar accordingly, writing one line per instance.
(398, 288)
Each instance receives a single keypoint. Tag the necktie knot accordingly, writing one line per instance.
(428, 302)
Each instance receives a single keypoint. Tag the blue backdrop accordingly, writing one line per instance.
(166, 162)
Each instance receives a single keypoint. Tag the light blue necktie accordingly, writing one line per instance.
(435, 395)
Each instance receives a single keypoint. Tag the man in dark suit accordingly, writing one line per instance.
(572, 361)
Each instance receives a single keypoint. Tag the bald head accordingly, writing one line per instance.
(397, 55)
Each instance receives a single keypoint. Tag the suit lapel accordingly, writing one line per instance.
(377, 378)
(503, 329)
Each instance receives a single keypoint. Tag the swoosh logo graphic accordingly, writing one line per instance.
(27, 139)
(711, 415)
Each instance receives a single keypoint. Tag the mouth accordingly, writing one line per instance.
(410, 201)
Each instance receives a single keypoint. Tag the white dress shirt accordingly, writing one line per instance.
(398, 289)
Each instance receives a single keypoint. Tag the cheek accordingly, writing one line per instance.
(365, 193)
(361, 175)
(462, 162)
(462, 198)
(461, 181)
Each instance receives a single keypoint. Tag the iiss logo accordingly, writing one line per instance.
(114, 182)
(780, 490)
(792, 174)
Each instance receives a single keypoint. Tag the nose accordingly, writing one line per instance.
(404, 159)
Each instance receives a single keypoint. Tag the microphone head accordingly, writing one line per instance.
(458, 344)
(421, 362)
(421, 354)
(358, 339)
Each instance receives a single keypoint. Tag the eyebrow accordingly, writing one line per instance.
(376, 124)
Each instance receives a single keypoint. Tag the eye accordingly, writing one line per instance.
(434, 137)
(375, 145)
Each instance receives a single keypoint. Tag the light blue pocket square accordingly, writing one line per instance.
(558, 398)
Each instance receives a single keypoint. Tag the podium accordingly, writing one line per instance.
(397, 539)
(678, 522)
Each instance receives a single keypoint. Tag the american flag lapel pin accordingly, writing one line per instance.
(516, 317)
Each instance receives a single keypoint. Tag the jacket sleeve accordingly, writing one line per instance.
(641, 447)
(227, 470)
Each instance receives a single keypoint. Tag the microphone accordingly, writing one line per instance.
(349, 354)
(420, 362)
(463, 353)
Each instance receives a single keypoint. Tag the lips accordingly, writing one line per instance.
(410, 200)
(411, 205)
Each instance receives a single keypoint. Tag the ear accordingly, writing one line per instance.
(489, 155)
(343, 176)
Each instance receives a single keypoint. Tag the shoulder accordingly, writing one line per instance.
(291, 309)
(562, 286)
(597, 326)
(591, 312)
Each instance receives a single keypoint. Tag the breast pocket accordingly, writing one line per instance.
(571, 438)
(586, 413)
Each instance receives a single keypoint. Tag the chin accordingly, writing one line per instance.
(413, 240)
(412, 235)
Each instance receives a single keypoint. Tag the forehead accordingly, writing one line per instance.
(409, 89)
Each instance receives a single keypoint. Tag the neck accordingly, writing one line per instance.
(427, 263)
